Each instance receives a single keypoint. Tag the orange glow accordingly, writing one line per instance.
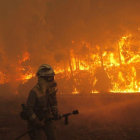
(16, 92)
(26, 56)
(25, 76)
(120, 64)
(3, 78)
(94, 91)
(72, 42)
(29, 70)
(75, 91)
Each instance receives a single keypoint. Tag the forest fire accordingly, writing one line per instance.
(23, 73)
(93, 47)
(29, 72)
(120, 67)
(107, 69)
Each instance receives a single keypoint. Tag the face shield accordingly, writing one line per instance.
(49, 78)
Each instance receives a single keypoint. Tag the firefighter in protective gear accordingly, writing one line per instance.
(42, 104)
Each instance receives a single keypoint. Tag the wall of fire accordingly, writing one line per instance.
(92, 45)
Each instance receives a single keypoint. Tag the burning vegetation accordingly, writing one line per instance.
(92, 46)
(94, 69)
(106, 69)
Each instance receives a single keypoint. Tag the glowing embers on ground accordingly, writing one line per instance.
(75, 91)
(94, 91)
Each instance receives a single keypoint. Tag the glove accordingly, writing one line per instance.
(38, 123)
(55, 113)
(54, 84)
(54, 110)
(57, 117)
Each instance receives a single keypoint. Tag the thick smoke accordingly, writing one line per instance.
(96, 21)
(21, 31)
(46, 28)
(30, 25)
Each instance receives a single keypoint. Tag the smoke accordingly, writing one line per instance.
(96, 21)
(103, 109)
(38, 25)
(31, 25)
(22, 30)
(46, 28)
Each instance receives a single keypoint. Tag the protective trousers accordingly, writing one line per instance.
(49, 130)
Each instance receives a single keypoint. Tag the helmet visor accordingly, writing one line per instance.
(49, 78)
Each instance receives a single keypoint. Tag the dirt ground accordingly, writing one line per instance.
(101, 117)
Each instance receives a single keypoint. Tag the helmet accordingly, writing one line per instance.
(45, 70)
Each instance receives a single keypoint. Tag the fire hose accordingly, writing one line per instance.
(61, 116)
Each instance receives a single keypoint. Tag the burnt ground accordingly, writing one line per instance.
(102, 117)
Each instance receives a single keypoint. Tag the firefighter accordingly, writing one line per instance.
(42, 104)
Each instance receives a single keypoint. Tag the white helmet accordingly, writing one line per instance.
(45, 70)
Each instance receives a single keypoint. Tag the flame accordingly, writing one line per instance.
(94, 91)
(75, 91)
(26, 56)
(25, 76)
(121, 66)
(25, 72)
(3, 78)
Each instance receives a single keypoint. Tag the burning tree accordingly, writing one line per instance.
(92, 45)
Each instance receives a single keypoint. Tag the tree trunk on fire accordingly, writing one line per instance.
(70, 64)
(72, 78)
(102, 65)
(119, 54)
(65, 70)
(76, 61)
(89, 57)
